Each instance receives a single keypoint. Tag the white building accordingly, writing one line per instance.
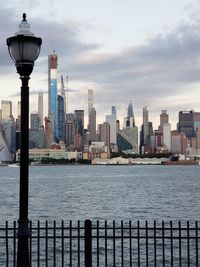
(6, 109)
(167, 140)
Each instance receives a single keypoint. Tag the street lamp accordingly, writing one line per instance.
(24, 49)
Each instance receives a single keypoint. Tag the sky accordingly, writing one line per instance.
(147, 52)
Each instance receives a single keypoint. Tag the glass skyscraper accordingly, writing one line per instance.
(52, 91)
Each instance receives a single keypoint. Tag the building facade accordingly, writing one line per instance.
(35, 121)
(104, 133)
(6, 110)
(92, 125)
(164, 118)
(61, 119)
(189, 122)
(166, 128)
(52, 91)
(79, 118)
(40, 108)
(112, 120)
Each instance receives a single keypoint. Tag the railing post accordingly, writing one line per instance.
(88, 243)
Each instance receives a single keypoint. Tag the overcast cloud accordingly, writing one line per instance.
(162, 73)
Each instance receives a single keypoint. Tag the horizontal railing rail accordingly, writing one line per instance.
(104, 243)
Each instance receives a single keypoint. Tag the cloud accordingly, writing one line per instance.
(61, 37)
(166, 65)
(160, 73)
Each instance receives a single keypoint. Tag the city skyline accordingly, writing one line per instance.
(154, 62)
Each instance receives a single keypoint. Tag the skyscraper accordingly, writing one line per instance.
(146, 133)
(129, 121)
(62, 93)
(127, 138)
(104, 133)
(188, 123)
(48, 131)
(131, 114)
(179, 142)
(111, 119)
(71, 129)
(40, 108)
(52, 90)
(167, 135)
(164, 118)
(79, 117)
(35, 121)
(90, 106)
(145, 125)
(92, 124)
(90, 100)
(6, 109)
(61, 118)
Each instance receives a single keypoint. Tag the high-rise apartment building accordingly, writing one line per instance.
(146, 133)
(144, 130)
(112, 120)
(48, 132)
(166, 127)
(104, 133)
(6, 110)
(92, 125)
(61, 119)
(164, 118)
(79, 117)
(37, 135)
(40, 108)
(188, 123)
(35, 121)
(179, 142)
(52, 91)
(145, 125)
(71, 129)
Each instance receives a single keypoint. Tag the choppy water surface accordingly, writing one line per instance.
(104, 192)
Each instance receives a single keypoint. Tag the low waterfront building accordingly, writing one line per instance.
(96, 150)
(129, 161)
(39, 154)
(112, 161)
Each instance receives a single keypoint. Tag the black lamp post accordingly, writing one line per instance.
(24, 49)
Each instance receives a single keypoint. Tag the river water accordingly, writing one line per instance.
(79, 192)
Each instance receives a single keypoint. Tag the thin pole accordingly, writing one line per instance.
(23, 227)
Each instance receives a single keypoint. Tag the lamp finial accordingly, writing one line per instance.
(24, 16)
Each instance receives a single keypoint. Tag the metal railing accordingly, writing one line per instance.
(103, 243)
